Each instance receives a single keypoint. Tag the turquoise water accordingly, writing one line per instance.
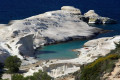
(60, 51)
(64, 50)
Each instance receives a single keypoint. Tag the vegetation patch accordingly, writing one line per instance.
(12, 63)
(96, 69)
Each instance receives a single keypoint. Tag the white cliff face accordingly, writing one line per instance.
(19, 46)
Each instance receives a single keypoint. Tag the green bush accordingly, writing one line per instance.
(36, 76)
(94, 70)
(12, 63)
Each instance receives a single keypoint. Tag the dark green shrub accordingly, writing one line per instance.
(12, 63)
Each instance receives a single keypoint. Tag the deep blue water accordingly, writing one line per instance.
(20, 9)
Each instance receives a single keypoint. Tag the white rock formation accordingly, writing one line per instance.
(72, 9)
(47, 28)
(94, 18)
(91, 13)
(63, 70)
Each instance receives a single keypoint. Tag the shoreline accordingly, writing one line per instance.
(85, 56)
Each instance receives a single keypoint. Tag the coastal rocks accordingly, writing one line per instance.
(63, 70)
(94, 18)
(89, 53)
(91, 13)
(47, 28)
(51, 27)
(98, 47)
(71, 9)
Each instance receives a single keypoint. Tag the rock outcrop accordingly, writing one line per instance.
(91, 13)
(72, 9)
(94, 18)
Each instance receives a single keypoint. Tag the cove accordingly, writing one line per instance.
(60, 51)
(64, 50)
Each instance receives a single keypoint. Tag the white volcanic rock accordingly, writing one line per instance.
(94, 18)
(91, 13)
(50, 27)
(71, 9)
(47, 28)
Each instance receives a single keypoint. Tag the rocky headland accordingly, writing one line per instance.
(22, 37)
